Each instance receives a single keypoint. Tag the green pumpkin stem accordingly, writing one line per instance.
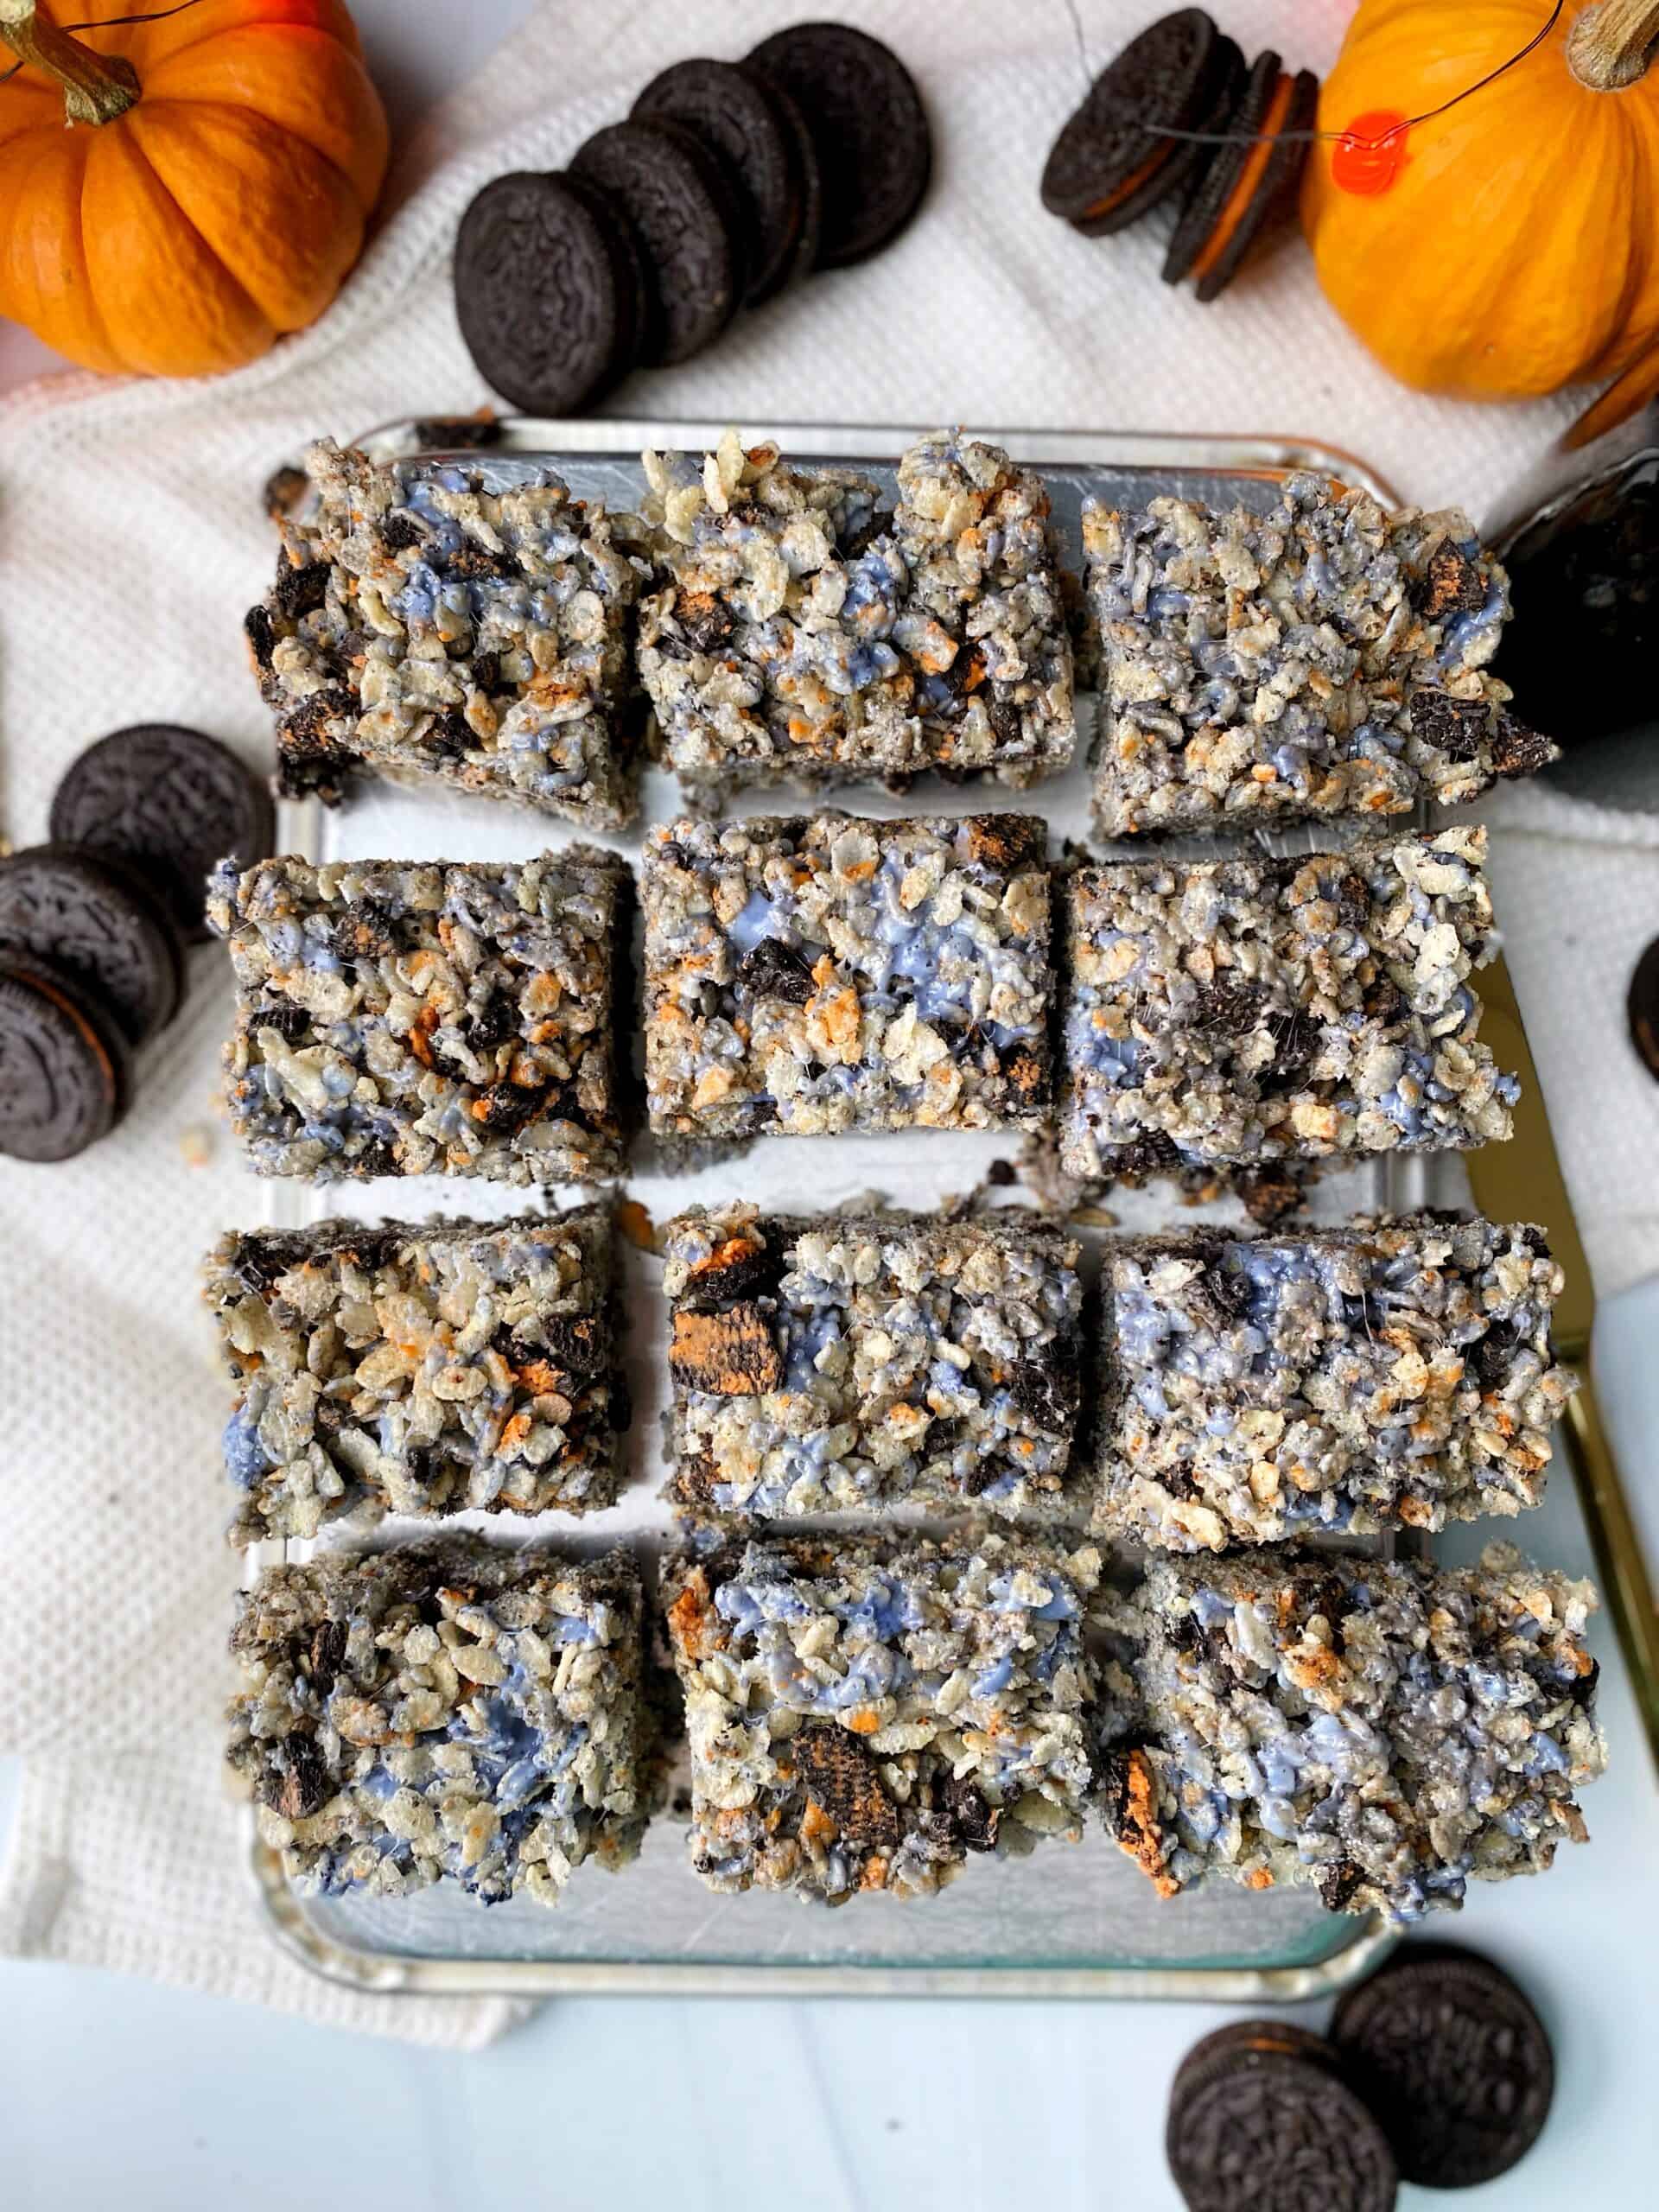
(1610, 45)
(96, 88)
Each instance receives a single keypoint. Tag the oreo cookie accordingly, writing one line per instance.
(1236, 196)
(1259, 2114)
(1452, 2060)
(868, 127)
(549, 291)
(735, 118)
(63, 1064)
(806, 162)
(1641, 1008)
(96, 922)
(1110, 164)
(687, 224)
(171, 802)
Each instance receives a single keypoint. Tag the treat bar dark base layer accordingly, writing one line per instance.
(1386, 1733)
(445, 1711)
(865, 1716)
(845, 1363)
(809, 976)
(1397, 1373)
(797, 631)
(423, 1018)
(421, 1370)
(462, 622)
(1254, 1010)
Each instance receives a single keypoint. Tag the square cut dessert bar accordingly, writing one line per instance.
(463, 622)
(796, 631)
(426, 1017)
(851, 1362)
(1326, 658)
(419, 1370)
(808, 976)
(1240, 1010)
(1385, 1732)
(445, 1711)
(863, 1714)
(1349, 1379)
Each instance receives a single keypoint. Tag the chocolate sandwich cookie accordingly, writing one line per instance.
(804, 155)
(549, 291)
(1641, 1008)
(735, 118)
(1111, 163)
(63, 1064)
(1259, 2115)
(688, 225)
(1453, 2061)
(868, 127)
(96, 921)
(1237, 194)
(171, 802)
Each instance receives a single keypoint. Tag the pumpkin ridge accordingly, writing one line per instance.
(323, 51)
(279, 300)
(233, 281)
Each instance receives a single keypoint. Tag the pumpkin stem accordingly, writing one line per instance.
(96, 88)
(1611, 44)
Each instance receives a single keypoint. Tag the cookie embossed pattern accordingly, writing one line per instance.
(1068, 1918)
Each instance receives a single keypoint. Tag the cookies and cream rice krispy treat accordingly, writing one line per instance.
(795, 631)
(445, 1710)
(463, 622)
(1348, 1380)
(420, 1370)
(1328, 658)
(863, 1714)
(1253, 1009)
(1385, 1732)
(847, 1362)
(812, 975)
(424, 1018)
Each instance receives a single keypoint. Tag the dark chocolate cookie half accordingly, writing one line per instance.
(101, 925)
(1259, 2116)
(805, 155)
(870, 129)
(547, 288)
(687, 224)
(171, 802)
(1641, 1006)
(738, 120)
(1452, 2060)
(1110, 164)
(63, 1064)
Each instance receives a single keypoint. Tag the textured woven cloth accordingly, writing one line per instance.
(131, 537)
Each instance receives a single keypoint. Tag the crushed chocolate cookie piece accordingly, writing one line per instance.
(841, 1783)
(729, 1354)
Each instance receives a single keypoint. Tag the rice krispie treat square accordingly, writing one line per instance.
(446, 1711)
(1395, 1373)
(842, 1362)
(809, 976)
(1387, 1733)
(1266, 1009)
(463, 622)
(863, 1714)
(1326, 658)
(424, 1018)
(796, 631)
(422, 1369)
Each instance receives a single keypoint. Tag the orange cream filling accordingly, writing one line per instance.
(1133, 182)
(1250, 177)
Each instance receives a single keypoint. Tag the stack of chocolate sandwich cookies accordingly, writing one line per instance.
(1179, 116)
(94, 924)
(727, 182)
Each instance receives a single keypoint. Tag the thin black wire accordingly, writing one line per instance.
(109, 24)
(1337, 137)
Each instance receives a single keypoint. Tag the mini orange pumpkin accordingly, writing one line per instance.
(1508, 246)
(210, 192)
